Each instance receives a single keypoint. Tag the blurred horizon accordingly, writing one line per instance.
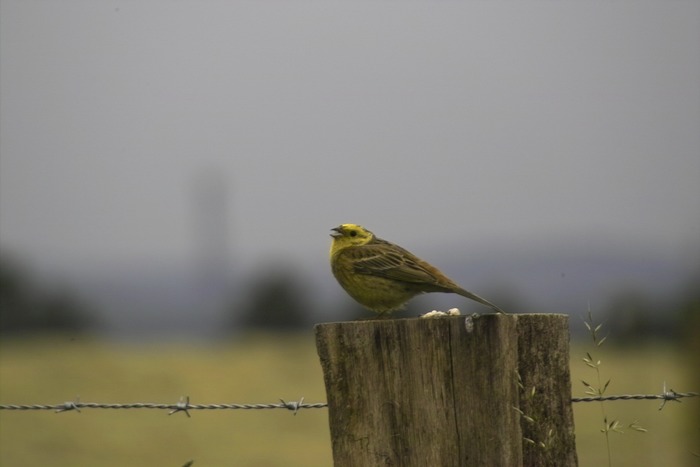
(169, 301)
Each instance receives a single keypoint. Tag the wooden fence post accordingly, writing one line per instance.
(453, 391)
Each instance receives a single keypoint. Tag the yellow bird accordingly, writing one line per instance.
(382, 276)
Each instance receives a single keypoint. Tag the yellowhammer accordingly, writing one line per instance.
(382, 276)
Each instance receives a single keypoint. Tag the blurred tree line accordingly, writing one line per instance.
(277, 298)
(29, 306)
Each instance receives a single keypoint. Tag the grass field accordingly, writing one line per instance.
(263, 369)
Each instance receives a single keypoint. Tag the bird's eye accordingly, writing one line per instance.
(353, 233)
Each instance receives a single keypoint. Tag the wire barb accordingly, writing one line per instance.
(669, 395)
(294, 406)
(70, 405)
(182, 406)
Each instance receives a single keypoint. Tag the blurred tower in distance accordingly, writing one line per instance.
(211, 234)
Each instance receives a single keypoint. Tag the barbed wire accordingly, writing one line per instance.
(184, 404)
(665, 396)
(668, 396)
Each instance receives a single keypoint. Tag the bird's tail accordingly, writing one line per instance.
(483, 301)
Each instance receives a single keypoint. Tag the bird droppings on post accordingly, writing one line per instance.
(469, 323)
(439, 314)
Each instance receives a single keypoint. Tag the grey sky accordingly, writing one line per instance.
(428, 122)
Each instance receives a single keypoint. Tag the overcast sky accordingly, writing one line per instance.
(443, 123)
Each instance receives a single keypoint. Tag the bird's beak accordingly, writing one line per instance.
(336, 232)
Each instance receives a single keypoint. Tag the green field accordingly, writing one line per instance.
(263, 369)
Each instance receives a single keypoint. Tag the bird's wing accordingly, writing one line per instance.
(393, 263)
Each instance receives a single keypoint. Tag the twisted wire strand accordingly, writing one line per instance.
(182, 406)
(294, 406)
(669, 396)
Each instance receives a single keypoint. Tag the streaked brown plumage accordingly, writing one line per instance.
(382, 276)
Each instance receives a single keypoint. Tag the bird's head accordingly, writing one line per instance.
(346, 235)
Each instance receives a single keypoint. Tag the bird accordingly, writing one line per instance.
(383, 276)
